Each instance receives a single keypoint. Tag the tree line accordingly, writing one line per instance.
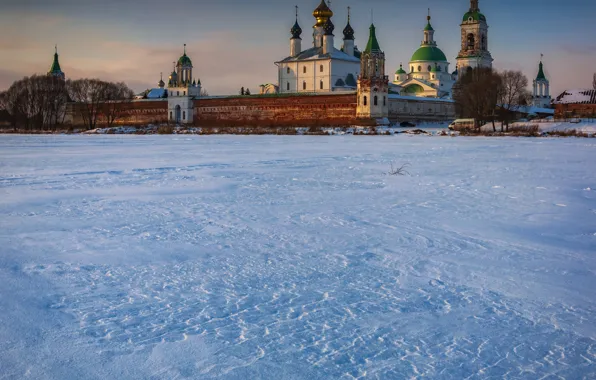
(487, 95)
(38, 103)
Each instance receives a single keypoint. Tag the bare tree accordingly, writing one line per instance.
(204, 93)
(117, 98)
(594, 81)
(89, 93)
(476, 95)
(513, 95)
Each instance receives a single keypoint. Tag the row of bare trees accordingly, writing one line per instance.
(488, 96)
(39, 102)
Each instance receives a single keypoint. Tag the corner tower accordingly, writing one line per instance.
(373, 84)
(541, 86)
(474, 40)
(55, 69)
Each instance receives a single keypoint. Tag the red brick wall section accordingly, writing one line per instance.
(133, 113)
(276, 111)
(564, 111)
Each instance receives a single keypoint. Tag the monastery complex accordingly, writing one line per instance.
(320, 83)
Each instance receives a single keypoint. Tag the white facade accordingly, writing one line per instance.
(429, 74)
(322, 67)
(182, 90)
(474, 40)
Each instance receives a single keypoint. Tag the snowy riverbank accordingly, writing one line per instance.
(285, 257)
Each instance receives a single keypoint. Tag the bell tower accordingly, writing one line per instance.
(474, 40)
(373, 84)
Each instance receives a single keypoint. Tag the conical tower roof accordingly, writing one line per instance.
(55, 68)
(373, 43)
(540, 75)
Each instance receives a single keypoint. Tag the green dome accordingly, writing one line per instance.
(476, 16)
(184, 60)
(429, 53)
(400, 70)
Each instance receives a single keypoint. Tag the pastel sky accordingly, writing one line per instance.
(235, 43)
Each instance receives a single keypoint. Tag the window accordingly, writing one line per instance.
(412, 69)
(183, 93)
(483, 42)
(364, 100)
(171, 118)
(304, 69)
(177, 93)
(471, 41)
(419, 68)
(376, 101)
(357, 98)
(183, 115)
(429, 68)
(304, 85)
(321, 68)
(321, 84)
(384, 101)
(288, 70)
(433, 76)
(288, 86)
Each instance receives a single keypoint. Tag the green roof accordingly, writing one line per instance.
(476, 16)
(541, 75)
(428, 27)
(429, 53)
(373, 44)
(184, 60)
(55, 68)
(400, 70)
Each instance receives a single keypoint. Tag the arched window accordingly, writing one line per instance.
(183, 115)
(419, 68)
(171, 118)
(376, 101)
(364, 100)
(433, 76)
(183, 93)
(321, 84)
(384, 101)
(177, 93)
(483, 42)
(288, 86)
(288, 70)
(412, 69)
(304, 69)
(471, 41)
(429, 68)
(304, 85)
(321, 68)
(356, 98)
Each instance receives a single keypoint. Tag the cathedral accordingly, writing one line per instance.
(320, 67)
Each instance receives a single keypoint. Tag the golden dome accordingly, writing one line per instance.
(322, 14)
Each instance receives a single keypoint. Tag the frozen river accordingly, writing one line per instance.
(294, 257)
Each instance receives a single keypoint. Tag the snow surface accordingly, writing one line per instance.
(297, 257)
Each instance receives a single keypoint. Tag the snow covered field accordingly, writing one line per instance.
(294, 257)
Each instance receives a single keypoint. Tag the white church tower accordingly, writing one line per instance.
(182, 90)
(373, 84)
(474, 40)
(541, 94)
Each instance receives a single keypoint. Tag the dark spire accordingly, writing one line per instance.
(296, 30)
(328, 27)
(348, 30)
(474, 6)
(541, 75)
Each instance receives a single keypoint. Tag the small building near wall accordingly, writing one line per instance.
(414, 108)
(576, 104)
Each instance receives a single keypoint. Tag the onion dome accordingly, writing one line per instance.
(184, 60)
(328, 27)
(474, 15)
(322, 13)
(296, 31)
(401, 70)
(348, 30)
(161, 83)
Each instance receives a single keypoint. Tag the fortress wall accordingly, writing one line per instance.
(276, 110)
(138, 112)
(407, 108)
